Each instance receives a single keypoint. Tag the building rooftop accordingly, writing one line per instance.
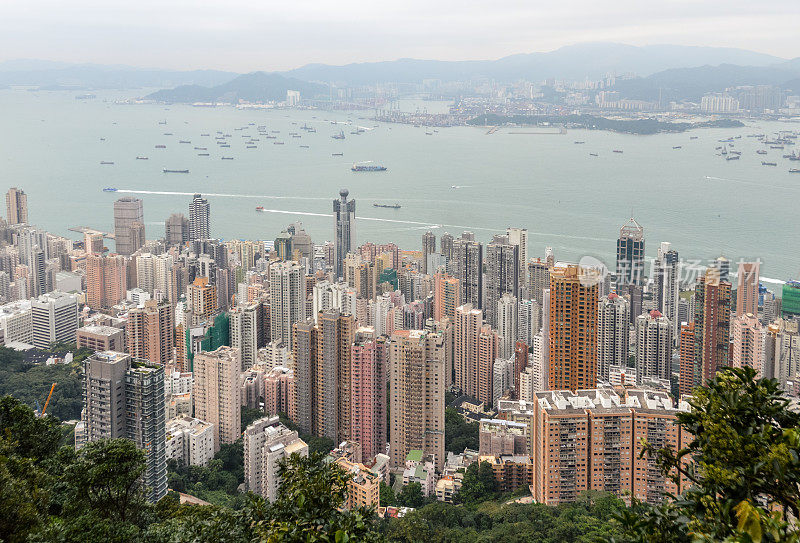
(100, 330)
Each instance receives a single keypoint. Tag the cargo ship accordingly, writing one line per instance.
(368, 168)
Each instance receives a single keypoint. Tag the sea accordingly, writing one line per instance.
(452, 179)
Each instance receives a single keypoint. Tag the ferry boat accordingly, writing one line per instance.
(387, 206)
(368, 168)
(110, 189)
(175, 171)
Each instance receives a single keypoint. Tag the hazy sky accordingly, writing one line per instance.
(245, 35)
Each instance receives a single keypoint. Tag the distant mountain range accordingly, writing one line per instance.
(59, 75)
(254, 87)
(573, 62)
(669, 71)
(693, 83)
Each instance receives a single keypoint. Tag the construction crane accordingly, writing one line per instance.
(52, 388)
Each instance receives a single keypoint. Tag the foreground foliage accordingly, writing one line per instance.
(742, 468)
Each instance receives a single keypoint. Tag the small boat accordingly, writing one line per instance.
(676, 146)
(106, 162)
(184, 141)
(736, 152)
(693, 137)
(776, 146)
(201, 148)
(260, 208)
(227, 158)
(578, 142)
(304, 147)
(769, 163)
(732, 157)
(251, 147)
(339, 136)
(387, 206)
(592, 154)
(175, 171)
(109, 189)
(102, 139)
(141, 158)
(202, 154)
(225, 145)
(167, 133)
(277, 143)
(204, 135)
(162, 122)
(368, 168)
(617, 150)
(161, 146)
(337, 154)
(794, 170)
(763, 152)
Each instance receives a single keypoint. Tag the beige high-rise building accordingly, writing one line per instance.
(332, 375)
(613, 333)
(201, 300)
(106, 280)
(747, 288)
(653, 347)
(217, 393)
(416, 381)
(446, 296)
(488, 352)
(150, 332)
(361, 275)
(287, 286)
(16, 206)
(573, 329)
(467, 328)
(266, 442)
(748, 342)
